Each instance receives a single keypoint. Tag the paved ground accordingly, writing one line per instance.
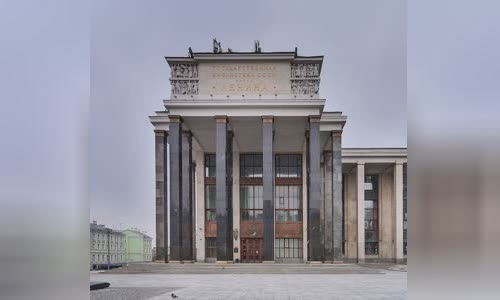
(244, 281)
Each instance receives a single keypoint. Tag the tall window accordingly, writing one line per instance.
(210, 202)
(288, 165)
(251, 165)
(371, 214)
(209, 165)
(211, 247)
(288, 203)
(251, 203)
(288, 248)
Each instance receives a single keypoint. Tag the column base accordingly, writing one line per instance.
(224, 262)
(160, 261)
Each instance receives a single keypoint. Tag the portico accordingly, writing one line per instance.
(256, 169)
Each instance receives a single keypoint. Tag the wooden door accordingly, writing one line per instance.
(252, 250)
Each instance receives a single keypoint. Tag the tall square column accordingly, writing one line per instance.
(328, 205)
(187, 198)
(268, 186)
(338, 208)
(398, 212)
(223, 190)
(361, 211)
(175, 151)
(161, 195)
(316, 246)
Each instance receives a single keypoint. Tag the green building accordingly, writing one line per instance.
(139, 246)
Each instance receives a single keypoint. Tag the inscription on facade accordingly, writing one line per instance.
(244, 78)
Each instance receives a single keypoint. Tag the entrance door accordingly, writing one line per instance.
(252, 250)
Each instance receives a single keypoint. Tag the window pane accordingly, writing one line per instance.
(245, 200)
(281, 215)
(210, 215)
(258, 197)
(259, 215)
(245, 215)
(257, 172)
(288, 165)
(295, 216)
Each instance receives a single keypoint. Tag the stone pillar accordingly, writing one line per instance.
(236, 204)
(305, 208)
(268, 186)
(175, 148)
(161, 195)
(361, 212)
(316, 246)
(200, 205)
(187, 198)
(328, 206)
(338, 208)
(223, 201)
(398, 212)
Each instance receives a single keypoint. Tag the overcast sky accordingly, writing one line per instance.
(363, 75)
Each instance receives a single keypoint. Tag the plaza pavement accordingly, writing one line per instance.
(253, 281)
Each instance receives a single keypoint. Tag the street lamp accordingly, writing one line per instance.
(108, 231)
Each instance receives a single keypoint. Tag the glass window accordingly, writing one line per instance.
(251, 202)
(288, 203)
(288, 248)
(210, 195)
(288, 165)
(251, 165)
(371, 214)
(211, 247)
(209, 165)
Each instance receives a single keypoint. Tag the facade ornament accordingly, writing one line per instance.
(184, 79)
(305, 78)
(305, 70)
(184, 71)
(305, 87)
(184, 87)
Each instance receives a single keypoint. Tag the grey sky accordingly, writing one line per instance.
(364, 75)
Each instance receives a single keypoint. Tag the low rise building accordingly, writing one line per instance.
(139, 246)
(107, 247)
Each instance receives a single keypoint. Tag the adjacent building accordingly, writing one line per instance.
(256, 170)
(107, 247)
(139, 246)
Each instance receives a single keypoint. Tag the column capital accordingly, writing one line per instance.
(399, 163)
(221, 119)
(267, 119)
(314, 118)
(160, 132)
(187, 132)
(175, 119)
(336, 133)
(361, 163)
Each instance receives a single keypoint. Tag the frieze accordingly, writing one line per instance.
(305, 86)
(184, 87)
(184, 71)
(303, 70)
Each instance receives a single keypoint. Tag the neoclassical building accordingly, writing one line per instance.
(250, 168)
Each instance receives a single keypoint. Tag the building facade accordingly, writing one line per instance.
(256, 171)
(139, 246)
(107, 247)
